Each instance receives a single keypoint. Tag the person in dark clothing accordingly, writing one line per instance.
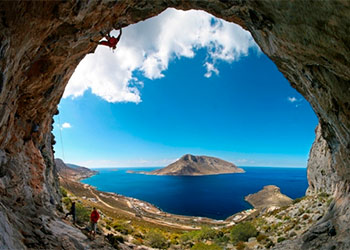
(71, 212)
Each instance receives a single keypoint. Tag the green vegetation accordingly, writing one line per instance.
(156, 239)
(240, 245)
(114, 240)
(203, 246)
(261, 237)
(329, 201)
(67, 201)
(297, 200)
(280, 239)
(279, 225)
(122, 227)
(243, 231)
(323, 195)
(206, 233)
(82, 214)
(63, 191)
(286, 217)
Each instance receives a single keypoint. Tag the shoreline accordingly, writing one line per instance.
(136, 209)
(160, 209)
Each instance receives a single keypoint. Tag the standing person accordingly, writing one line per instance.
(93, 219)
(71, 212)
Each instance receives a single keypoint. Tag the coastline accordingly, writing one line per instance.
(135, 209)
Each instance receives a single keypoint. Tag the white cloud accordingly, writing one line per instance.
(210, 69)
(297, 102)
(292, 99)
(149, 46)
(66, 125)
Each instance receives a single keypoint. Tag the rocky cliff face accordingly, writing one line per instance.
(321, 173)
(41, 43)
(198, 165)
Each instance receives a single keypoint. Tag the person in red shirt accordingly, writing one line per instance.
(111, 40)
(93, 219)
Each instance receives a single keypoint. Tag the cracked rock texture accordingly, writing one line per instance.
(321, 172)
(41, 43)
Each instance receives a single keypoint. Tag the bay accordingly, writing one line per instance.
(212, 196)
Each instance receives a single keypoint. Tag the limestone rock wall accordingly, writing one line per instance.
(321, 173)
(41, 43)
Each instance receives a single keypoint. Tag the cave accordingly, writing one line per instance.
(43, 42)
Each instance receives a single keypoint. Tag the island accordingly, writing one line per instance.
(191, 165)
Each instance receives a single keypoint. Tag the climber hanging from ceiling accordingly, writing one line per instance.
(111, 40)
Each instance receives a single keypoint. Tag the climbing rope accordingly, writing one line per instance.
(60, 129)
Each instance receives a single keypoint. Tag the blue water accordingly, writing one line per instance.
(213, 196)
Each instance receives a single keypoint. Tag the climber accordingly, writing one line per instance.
(111, 40)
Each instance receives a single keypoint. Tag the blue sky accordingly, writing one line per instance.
(201, 95)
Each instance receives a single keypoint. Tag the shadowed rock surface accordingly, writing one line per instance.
(269, 196)
(198, 165)
(41, 43)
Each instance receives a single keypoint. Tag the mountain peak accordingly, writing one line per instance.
(198, 165)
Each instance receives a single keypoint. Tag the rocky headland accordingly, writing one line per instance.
(73, 172)
(269, 198)
(191, 165)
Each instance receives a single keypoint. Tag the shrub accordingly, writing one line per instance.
(222, 240)
(301, 211)
(297, 200)
(269, 244)
(82, 214)
(156, 239)
(329, 201)
(174, 239)
(138, 241)
(205, 233)
(122, 228)
(280, 239)
(286, 217)
(261, 237)
(323, 195)
(114, 240)
(240, 245)
(202, 246)
(243, 231)
(278, 216)
(67, 201)
(63, 191)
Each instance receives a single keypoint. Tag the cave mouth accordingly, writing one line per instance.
(239, 100)
(307, 41)
(260, 94)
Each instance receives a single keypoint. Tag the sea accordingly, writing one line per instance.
(212, 196)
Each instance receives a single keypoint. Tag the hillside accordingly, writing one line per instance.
(71, 171)
(198, 165)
